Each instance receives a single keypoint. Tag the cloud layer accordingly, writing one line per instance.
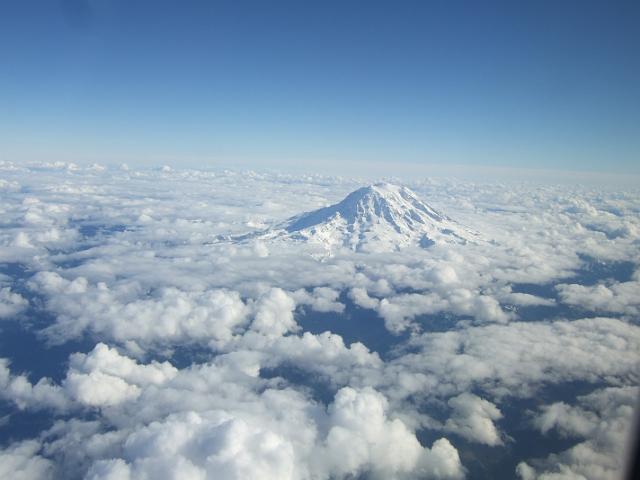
(201, 361)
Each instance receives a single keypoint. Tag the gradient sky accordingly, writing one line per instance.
(268, 84)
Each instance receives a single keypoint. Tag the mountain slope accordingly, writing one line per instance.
(380, 217)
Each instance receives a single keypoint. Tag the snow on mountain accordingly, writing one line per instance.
(380, 217)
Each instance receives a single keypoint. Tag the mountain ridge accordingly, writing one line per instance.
(378, 217)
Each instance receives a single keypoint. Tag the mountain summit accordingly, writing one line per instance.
(380, 217)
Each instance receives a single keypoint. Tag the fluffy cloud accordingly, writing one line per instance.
(190, 446)
(11, 303)
(98, 389)
(398, 311)
(160, 270)
(616, 297)
(325, 355)
(102, 377)
(515, 359)
(473, 418)
(127, 313)
(357, 418)
(105, 378)
(361, 435)
(320, 299)
(206, 421)
(361, 297)
(360, 438)
(113, 469)
(22, 462)
(603, 419)
(274, 316)
(19, 390)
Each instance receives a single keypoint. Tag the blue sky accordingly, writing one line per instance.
(273, 84)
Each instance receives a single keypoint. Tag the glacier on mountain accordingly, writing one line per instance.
(377, 218)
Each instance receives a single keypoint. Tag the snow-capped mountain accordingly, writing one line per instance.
(380, 217)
